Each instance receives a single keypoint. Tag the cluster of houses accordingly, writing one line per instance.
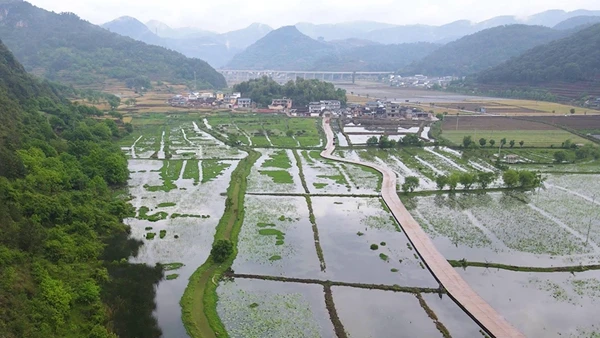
(210, 100)
(420, 81)
(593, 103)
(388, 110)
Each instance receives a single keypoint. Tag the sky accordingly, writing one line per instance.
(226, 15)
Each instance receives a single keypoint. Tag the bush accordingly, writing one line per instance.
(221, 250)
(374, 246)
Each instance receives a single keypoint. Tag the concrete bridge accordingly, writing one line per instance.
(233, 76)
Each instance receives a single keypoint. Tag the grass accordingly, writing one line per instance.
(171, 266)
(301, 171)
(532, 138)
(143, 214)
(166, 204)
(279, 159)
(280, 236)
(212, 169)
(384, 257)
(162, 234)
(150, 235)
(313, 222)
(338, 327)
(169, 172)
(274, 258)
(199, 301)
(320, 185)
(192, 171)
(176, 215)
(278, 176)
(172, 276)
(463, 263)
(374, 246)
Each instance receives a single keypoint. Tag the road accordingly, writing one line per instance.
(454, 284)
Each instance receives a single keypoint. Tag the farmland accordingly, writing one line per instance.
(316, 251)
(533, 134)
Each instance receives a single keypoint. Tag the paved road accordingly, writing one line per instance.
(454, 284)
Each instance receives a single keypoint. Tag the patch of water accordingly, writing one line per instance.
(133, 146)
(343, 142)
(541, 304)
(347, 229)
(161, 151)
(258, 308)
(377, 313)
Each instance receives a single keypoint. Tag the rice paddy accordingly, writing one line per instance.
(319, 255)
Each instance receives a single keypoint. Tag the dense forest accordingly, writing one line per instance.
(64, 48)
(63, 244)
(263, 90)
(571, 59)
(482, 50)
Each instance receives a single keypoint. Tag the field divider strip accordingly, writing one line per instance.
(395, 288)
(301, 172)
(313, 195)
(338, 326)
(462, 263)
(438, 324)
(311, 217)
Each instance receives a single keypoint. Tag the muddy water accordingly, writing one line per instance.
(541, 304)
(298, 254)
(195, 234)
(257, 308)
(348, 255)
(376, 313)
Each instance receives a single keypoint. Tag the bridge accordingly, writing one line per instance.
(233, 76)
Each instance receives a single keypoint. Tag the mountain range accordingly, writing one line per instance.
(64, 48)
(218, 49)
(287, 48)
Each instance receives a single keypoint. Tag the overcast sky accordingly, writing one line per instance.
(225, 15)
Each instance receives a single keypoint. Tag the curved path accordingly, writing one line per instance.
(454, 284)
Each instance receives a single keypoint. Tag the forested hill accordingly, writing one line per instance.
(64, 48)
(288, 49)
(571, 59)
(482, 50)
(63, 245)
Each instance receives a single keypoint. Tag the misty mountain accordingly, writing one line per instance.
(482, 50)
(394, 34)
(282, 49)
(243, 38)
(288, 49)
(164, 31)
(578, 21)
(571, 59)
(64, 48)
(133, 28)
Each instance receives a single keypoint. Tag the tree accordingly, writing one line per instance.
(503, 142)
(411, 140)
(492, 142)
(510, 178)
(453, 180)
(512, 143)
(482, 142)
(467, 141)
(440, 116)
(410, 184)
(485, 179)
(560, 156)
(221, 250)
(467, 180)
(521, 143)
(372, 141)
(572, 111)
(289, 133)
(441, 181)
(527, 179)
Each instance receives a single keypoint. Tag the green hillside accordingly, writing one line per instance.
(482, 50)
(64, 48)
(63, 245)
(571, 59)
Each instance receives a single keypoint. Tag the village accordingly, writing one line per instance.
(376, 109)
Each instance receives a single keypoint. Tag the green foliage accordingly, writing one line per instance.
(65, 48)
(374, 246)
(474, 53)
(482, 142)
(485, 179)
(60, 224)
(467, 180)
(571, 59)
(524, 179)
(221, 250)
(410, 184)
(264, 90)
(441, 181)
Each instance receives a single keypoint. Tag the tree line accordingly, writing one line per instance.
(63, 244)
(302, 92)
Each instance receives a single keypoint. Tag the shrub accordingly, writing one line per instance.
(221, 250)
(374, 246)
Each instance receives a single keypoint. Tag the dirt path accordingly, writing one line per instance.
(454, 284)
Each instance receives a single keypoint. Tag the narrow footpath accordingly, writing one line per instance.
(455, 285)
